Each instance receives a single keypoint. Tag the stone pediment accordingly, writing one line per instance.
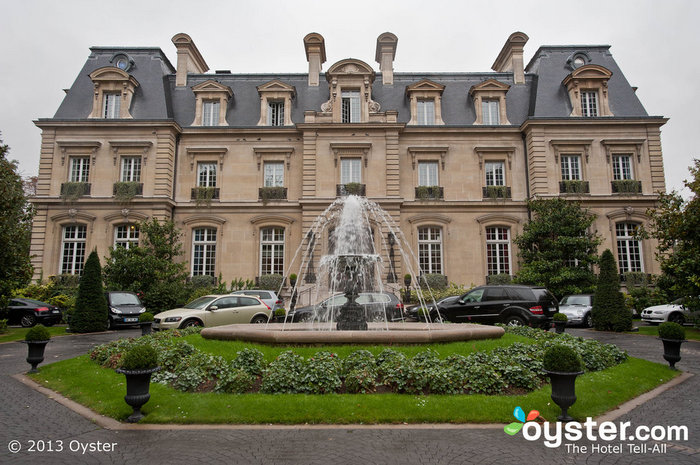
(350, 66)
(276, 86)
(489, 85)
(112, 73)
(591, 72)
(425, 84)
(211, 85)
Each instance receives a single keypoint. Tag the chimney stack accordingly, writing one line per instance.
(189, 60)
(511, 57)
(385, 54)
(315, 48)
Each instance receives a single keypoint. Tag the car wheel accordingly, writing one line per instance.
(258, 319)
(191, 323)
(676, 318)
(435, 318)
(28, 320)
(514, 321)
(588, 321)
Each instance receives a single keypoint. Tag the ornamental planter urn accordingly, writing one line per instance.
(138, 383)
(672, 351)
(559, 326)
(563, 391)
(35, 353)
(146, 327)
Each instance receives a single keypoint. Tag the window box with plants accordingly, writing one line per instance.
(563, 364)
(573, 186)
(351, 188)
(626, 186)
(138, 364)
(71, 191)
(672, 335)
(204, 195)
(272, 193)
(496, 192)
(429, 193)
(126, 191)
(36, 340)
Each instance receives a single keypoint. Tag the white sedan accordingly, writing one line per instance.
(675, 312)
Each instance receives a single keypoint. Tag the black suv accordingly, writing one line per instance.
(509, 304)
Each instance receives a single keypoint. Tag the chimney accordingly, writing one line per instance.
(189, 60)
(511, 57)
(315, 48)
(385, 54)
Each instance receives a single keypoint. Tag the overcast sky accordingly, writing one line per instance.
(44, 44)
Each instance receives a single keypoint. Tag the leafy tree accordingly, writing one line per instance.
(90, 313)
(609, 310)
(152, 268)
(676, 225)
(557, 250)
(15, 228)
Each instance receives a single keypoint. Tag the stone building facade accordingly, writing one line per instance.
(243, 163)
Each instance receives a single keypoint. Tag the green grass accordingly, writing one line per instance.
(17, 334)
(690, 333)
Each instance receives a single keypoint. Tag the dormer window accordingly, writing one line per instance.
(426, 112)
(350, 88)
(588, 91)
(210, 113)
(276, 103)
(350, 106)
(589, 103)
(114, 91)
(426, 99)
(275, 113)
(112, 105)
(211, 103)
(490, 102)
(490, 112)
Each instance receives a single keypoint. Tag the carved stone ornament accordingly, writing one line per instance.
(327, 107)
(374, 107)
(350, 69)
(72, 212)
(125, 212)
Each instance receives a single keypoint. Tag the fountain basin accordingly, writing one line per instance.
(309, 333)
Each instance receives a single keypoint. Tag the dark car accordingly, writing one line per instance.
(28, 312)
(379, 306)
(414, 311)
(508, 304)
(124, 308)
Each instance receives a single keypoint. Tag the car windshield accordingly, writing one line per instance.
(200, 303)
(679, 301)
(576, 300)
(124, 299)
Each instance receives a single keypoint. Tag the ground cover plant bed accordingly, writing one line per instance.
(17, 334)
(362, 386)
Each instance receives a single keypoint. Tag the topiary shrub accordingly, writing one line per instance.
(563, 359)
(139, 357)
(434, 281)
(272, 282)
(609, 310)
(90, 313)
(670, 330)
(146, 317)
(560, 317)
(38, 333)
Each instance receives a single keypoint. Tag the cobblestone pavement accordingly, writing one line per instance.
(28, 415)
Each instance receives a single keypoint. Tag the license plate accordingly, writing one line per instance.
(55, 311)
(130, 320)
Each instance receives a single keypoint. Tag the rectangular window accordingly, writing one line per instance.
(131, 169)
(498, 250)
(111, 105)
(350, 170)
(425, 112)
(210, 113)
(622, 167)
(428, 173)
(206, 174)
(570, 168)
(274, 174)
(589, 103)
(275, 113)
(203, 251)
(430, 249)
(350, 106)
(629, 256)
(495, 173)
(73, 249)
(272, 251)
(490, 112)
(79, 169)
(126, 235)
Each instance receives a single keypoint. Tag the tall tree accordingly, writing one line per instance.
(557, 248)
(609, 310)
(15, 228)
(90, 313)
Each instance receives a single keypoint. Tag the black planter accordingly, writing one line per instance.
(407, 281)
(138, 383)
(35, 354)
(559, 326)
(672, 351)
(146, 327)
(563, 391)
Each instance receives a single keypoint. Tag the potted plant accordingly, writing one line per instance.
(563, 364)
(407, 280)
(559, 320)
(672, 335)
(138, 364)
(293, 279)
(146, 322)
(36, 340)
(280, 313)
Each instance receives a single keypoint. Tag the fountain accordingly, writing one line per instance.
(352, 267)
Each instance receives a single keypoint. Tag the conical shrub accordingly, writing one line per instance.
(90, 313)
(609, 310)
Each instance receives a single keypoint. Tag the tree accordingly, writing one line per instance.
(15, 228)
(90, 313)
(609, 311)
(151, 268)
(676, 225)
(557, 249)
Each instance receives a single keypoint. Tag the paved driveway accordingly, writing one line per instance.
(27, 415)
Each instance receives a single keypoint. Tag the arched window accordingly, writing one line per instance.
(430, 249)
(126, 235)
(497, 250)
(203, 251)
(629, 254)
(272, 251)
(73, 249)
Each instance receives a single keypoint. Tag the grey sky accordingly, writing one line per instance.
(44, 44)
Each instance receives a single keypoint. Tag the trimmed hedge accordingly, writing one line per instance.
(671, 330)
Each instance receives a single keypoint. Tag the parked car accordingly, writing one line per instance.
(675, 312)
(413, 311)
(29, 312)
(578, 308)
(379, 306)
(124, 308)
(215, 310)
(510, 304)
(269, 297)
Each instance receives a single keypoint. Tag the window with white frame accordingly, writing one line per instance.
(73, 249)
(430, 249)
(622, 167)
(206, 174)
(126, 235)
(570, 168)
(275, 113)
(497, 250)
(629, 255)
(274, 174)
(203, 251)
(350, 170)
(79, 169)
(111, 105)
(495, 173)
(425, 110)
(589, 103)
(350, 106)
(131, 169)
(272, 251)
(490, 112)
(210, 113)
(428, 173)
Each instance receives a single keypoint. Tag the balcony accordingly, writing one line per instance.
(574, 187)
(351, 188)
(626, 186)
(75, 190)
(272, 193)
(204, 194)
(496, 192)
(430, 193)
(125, 191)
